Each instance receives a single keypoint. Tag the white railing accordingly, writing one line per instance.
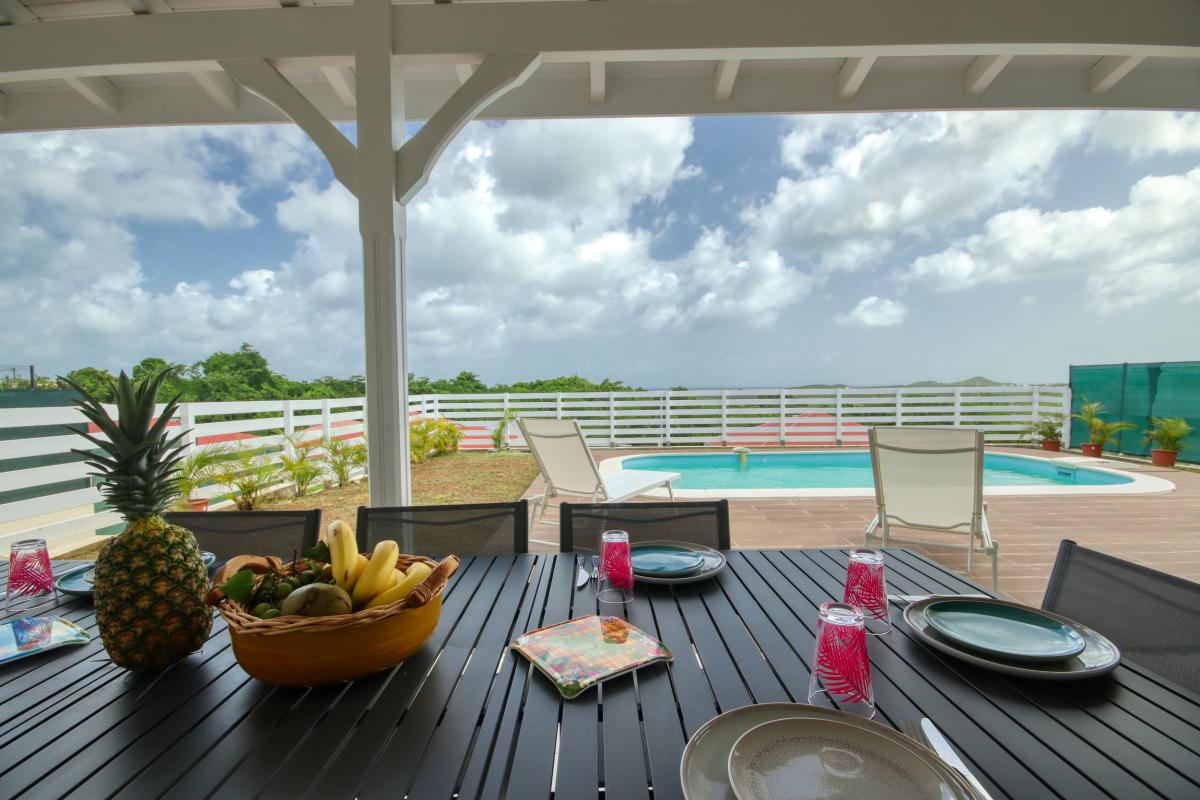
(66, 509)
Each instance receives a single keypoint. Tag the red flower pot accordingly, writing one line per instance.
(1163, 458)
(197, 504)
(1053, 445)
(1092, 450)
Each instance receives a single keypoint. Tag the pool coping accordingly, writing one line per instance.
(1141, 483)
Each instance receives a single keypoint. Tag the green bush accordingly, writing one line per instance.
(342, 457)
(1168, 433)
(248, 472)
(432, 437)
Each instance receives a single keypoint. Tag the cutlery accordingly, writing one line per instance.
(909, 599)
(595, 566)
(581, 577)
(947, 753)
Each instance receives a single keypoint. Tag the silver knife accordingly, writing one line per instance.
(581, 577)
(942, 747)
(916, 598)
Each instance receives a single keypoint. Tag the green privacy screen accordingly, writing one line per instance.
(1135, 393)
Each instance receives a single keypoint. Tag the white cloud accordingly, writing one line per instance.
(1144, 134)
(1146, 250)
(874, 312)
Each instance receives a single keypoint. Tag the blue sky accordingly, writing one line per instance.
(740, 251)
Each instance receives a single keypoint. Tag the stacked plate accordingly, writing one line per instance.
(78, 582)
(1012, 638)
(675, 562)
(788, 750)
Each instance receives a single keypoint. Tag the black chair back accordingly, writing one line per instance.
(1152, 616)
(704, 522)
(437, 531)
(261, 533)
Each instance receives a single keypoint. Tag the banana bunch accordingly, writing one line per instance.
(375, 581)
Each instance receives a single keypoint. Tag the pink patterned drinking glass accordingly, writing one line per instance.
(29, 572)
(615, 574)
(865, 588)
(841, 669)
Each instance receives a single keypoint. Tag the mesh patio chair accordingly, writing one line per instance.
(931, 479)
(261, 533)
(703, 522)
(562, 454)
(437, 531)
(1152, 616)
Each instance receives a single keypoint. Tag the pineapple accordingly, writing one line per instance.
(150, 580)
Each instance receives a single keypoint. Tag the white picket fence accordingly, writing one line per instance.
(67, 511)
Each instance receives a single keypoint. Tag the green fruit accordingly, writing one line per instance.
(271, 613)
(261, 609)
(310, 576)
(284, 589)
(317, 600)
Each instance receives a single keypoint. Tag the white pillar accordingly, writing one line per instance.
(381, 221)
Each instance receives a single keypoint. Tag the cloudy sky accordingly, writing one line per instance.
(730, 251)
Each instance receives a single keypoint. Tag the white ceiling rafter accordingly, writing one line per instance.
(983, 71)
(1109, 71)
(463, 71)
(15, 13)
(3, 105)
(341, 78)
(219, 87)
(100, 92)
(852, 74)
(597, 90)
(723, 80)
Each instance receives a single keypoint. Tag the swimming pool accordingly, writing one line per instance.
(848, 473)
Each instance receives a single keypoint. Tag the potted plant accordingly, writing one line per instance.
(1048, 430)
(1099, 430)
(192, 472)
(1167, 434)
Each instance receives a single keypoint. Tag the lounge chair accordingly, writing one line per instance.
(931, 479)
(569, 469)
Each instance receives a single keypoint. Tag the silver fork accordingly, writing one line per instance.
(913, 731)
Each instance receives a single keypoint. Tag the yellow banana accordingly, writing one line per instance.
(342, 551)
(359, 565)
(378, 574)
(413, 578)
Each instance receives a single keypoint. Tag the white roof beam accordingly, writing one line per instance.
(852, 74)
(15, 13)
(259, 77)
(148, 6)
(983, 71)
(596, 75)
(219, 88)
(727, 70)
(3, 105)
(100, 92)
(463, 71)
(341, 78)
(1108, 71)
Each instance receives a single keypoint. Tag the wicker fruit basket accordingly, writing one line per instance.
(316, 651)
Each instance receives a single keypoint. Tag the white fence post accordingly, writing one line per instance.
(782, 417)
(724, 417)
(289, 428)
(326, 424)
(612, 419)
(558, 406)
(1066, 415)
(957, 407)
(666, 409)
(187, 421)
(837, 417)
(899, 407)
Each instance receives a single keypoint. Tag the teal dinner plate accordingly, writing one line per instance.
(78, 582)
(665, 561)
(1012, 632)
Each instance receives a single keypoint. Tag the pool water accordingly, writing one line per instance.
(846, 471)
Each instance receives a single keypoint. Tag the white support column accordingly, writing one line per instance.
(852, 74)
(724, 417)
(837, 417)
(379, 91)
(98, 91)
(596, 81)
(783, 417)
(983, 71)
(1108, 71)
(726, 75)
(1066, 415)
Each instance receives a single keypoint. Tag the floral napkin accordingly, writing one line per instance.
(577, 654)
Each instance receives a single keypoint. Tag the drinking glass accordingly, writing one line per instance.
(865, 588)
(841, 669)
(29, 572)
(615, 574)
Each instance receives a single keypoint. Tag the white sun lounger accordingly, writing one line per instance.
(569, 469)
(931, 479)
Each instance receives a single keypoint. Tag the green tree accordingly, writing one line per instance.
(175, 384)
(99, 383)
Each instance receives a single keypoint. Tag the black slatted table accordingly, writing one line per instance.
(466, 718)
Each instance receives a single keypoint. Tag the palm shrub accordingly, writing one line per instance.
(302, 471)
(430, 436)
(194, 470)
(249, 473)
(1089, 415)
(1168, 433)
(1103, 431)
(342, 457)
(1047, 428)
(500, 435)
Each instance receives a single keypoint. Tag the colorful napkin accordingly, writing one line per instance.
(577, 654)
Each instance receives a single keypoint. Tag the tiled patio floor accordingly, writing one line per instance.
(1159, 530)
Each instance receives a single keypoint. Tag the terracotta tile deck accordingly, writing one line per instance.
(1159, 530)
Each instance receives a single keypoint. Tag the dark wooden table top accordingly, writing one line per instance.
(467, 716)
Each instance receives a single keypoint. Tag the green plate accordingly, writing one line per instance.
(78, 582)
(1016, 633)
(665, 561)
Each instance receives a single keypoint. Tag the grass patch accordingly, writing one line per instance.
(482, 477)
